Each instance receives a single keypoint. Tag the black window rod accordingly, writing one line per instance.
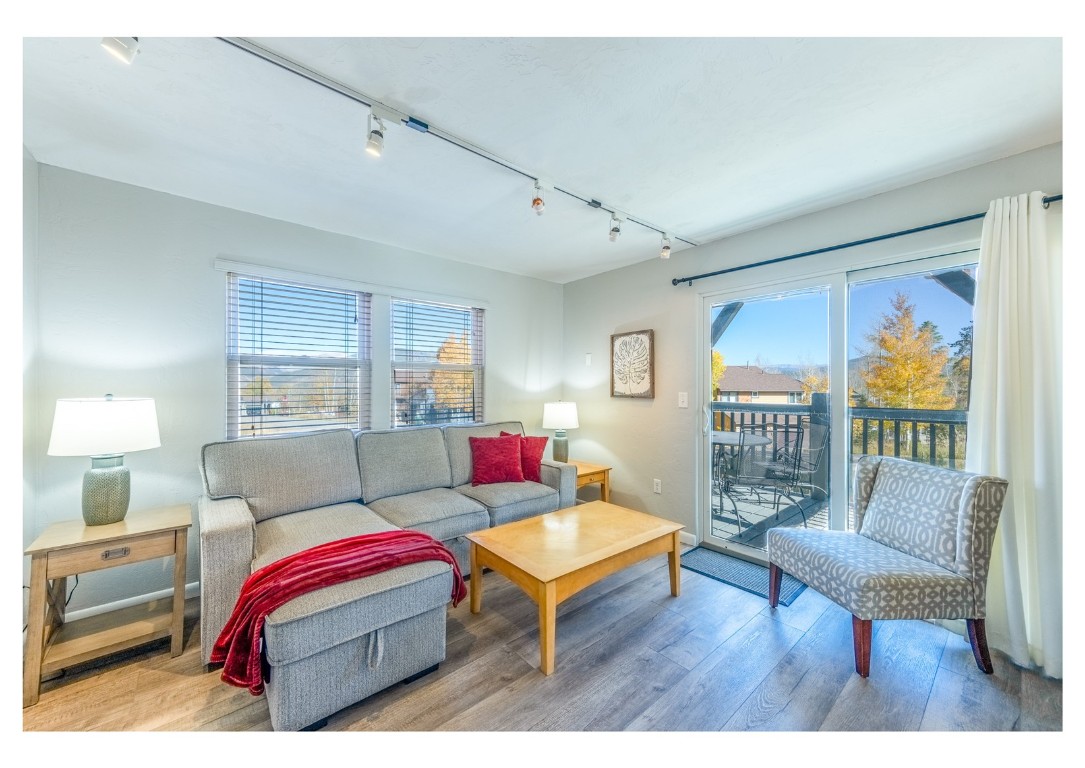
(678, 280)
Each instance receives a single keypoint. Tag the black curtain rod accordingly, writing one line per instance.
(1047, 201)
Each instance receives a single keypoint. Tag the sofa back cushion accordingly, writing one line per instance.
(915, 508)
(399, 461)
(280, 475)
(459, 446)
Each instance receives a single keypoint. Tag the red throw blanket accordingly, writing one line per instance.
(238, 645)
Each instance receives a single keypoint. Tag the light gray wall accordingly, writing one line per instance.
(647, 439)
(129, 302)
(31, 460)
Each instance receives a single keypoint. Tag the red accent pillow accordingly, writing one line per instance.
(496, 460)
(531, 454)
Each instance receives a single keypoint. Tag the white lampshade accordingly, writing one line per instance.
(560, 415)
(103, 426)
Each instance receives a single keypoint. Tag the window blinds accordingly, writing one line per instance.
(438, 355)
(298, 358)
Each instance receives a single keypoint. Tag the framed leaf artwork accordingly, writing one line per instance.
(632, 364)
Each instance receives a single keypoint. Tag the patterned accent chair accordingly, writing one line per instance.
(920, 550)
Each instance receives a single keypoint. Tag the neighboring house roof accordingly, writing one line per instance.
(750, 378)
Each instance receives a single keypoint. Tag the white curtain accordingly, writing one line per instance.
(1015, 425)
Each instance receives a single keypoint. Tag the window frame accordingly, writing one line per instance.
(404, 368)
(237, 359)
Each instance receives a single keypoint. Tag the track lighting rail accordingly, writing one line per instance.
(389, 113)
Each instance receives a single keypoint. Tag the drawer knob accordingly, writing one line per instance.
(113, 554)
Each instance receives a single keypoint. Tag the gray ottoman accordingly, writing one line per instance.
(338, 645)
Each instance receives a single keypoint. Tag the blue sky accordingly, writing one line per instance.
(794, 329)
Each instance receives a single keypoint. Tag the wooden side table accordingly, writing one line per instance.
(587, 473)
(72, 547)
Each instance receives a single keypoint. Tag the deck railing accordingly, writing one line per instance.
(932, 437)
(928, 436)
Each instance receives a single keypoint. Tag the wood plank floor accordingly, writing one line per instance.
(629, 658)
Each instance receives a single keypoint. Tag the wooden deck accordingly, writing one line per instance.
(755, 519)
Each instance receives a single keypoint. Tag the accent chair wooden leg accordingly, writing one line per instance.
(775, 577)
(977, 637)
(861, 630)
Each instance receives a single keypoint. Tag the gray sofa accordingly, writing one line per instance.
(267, 498)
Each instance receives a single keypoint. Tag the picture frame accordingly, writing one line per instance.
(632, 364)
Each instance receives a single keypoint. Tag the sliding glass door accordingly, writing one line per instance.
(768, 416)
(803, 381)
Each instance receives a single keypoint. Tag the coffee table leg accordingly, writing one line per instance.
(675, 560)
(476, 580)
(548, 619)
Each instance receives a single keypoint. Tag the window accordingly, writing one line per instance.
(298, 358)
(729, 397)
(755, 395)
(794, 398)
(438, 354)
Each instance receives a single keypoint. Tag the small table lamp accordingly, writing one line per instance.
(560, 416)
(104, 428)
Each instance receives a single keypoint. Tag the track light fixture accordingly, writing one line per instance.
(375, 143)
(123, 48)
(537, 203)
(665, 246)
(381, 114)
(615, 227)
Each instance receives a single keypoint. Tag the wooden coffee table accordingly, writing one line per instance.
(554, 556)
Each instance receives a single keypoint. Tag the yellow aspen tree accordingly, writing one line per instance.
(814, 380)
(453, 388)
(908, 364)
(718, 369)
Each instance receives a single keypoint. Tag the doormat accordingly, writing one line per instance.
(743, 574)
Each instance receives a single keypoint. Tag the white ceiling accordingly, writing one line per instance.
(703, 137)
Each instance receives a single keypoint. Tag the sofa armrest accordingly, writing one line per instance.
(561, 477)
(227, 548)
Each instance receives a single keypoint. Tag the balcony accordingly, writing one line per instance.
(742, 515)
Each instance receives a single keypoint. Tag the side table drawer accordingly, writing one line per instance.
(65, 562)
(593, 477)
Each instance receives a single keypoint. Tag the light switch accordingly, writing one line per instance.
(683, 400)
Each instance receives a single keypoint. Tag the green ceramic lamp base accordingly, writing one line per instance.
(106, 490)
(561, 446)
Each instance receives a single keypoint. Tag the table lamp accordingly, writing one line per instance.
(104, 428)
(560, 416)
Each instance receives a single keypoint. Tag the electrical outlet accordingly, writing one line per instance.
(683, 400)
(657, 486)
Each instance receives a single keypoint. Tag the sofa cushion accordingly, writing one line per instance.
(440, 512)
(332, 615)
(285, 535)
(507, 502)
(280, 475)
(531, 455)
(496, 460)
(459, 448)
(915, 508)
(400, 461)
